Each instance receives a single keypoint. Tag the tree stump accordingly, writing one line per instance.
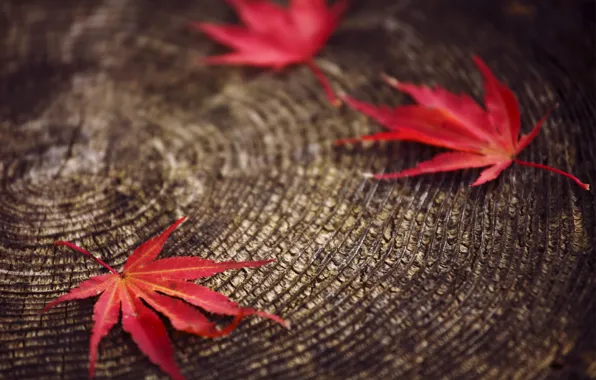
(110, 130)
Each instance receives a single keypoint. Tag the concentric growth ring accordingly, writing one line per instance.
(417, 278)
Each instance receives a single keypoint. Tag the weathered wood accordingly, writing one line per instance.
(109, 131)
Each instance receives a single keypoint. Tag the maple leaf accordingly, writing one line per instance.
(480, 137)
(277, 37)
(145, 279)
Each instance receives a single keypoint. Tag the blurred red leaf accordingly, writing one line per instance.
(480, 137)
(146, 279)
(277, 37)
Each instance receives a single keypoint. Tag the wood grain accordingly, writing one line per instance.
(110, 130)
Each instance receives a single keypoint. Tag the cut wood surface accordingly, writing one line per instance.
(110, 131)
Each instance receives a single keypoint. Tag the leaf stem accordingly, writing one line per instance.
(584, 186)
(333, 99)
(77, 248)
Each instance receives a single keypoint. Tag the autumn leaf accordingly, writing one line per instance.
(480, 137)
(152, 281)
(277, 37)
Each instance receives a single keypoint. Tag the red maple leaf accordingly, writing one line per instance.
(148, 280)
(481, 137)
(277, 37)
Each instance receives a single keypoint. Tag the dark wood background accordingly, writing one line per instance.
(109, 131)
